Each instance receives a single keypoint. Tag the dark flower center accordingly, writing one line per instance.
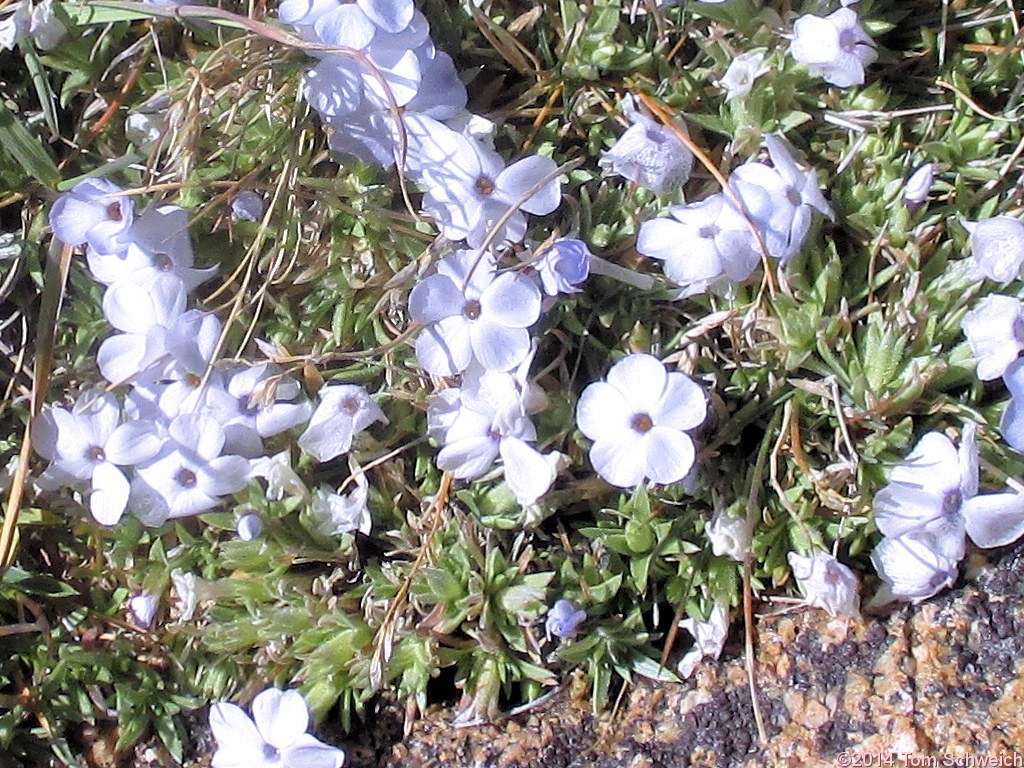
(271, 753)
(471, 310)
(848, 40)
(95, 453)
(793, 195)
(186, 478)
(246, 407)
(642, 423)
(708, 231)
(485, 185)
(350, 405)
(162, 261)
(114, 211)
(192, 380)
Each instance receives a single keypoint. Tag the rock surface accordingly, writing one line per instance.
(937, 683)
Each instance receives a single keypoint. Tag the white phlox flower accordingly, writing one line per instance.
(563, 619)
(826, 583)
(256, 402)
(738, 79)
(639, 420)
(648, 153)
(729, 535)
(835, 47)
(471, 312)
(40, 23)
(156, 245)
(189, 475)
(343, 412)
(995, 332)
(97, 213)
(705, 245)
(781, 199)
(997, 247)
(708, 637)
(469, 189)
(488, 418)
(91, 444)
(275, 736)
(337, 513)
(930, 503)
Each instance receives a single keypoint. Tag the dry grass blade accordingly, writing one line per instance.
(54, 282)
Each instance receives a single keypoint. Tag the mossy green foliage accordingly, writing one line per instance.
(818, 380)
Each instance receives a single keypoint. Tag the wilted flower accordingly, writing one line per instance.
(648, 153)
(781, 199)
(826, 583)
(729, 535)
(835, 47)
(337, 513)
(281, 479)
(638, 420)
(470, 312)
(995, 332)
(564, 619)
(912, 567)
(919, 185)
(739, 77)
(488, 417)
(997, 247)
(709, 637)
(274, 737)
(344, 411)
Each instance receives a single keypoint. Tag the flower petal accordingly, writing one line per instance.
(435, 298)
(668, 455)
(496, 347)
(527, 472)
(617, 459)
(995, 519)
(602, 411)
(641, 379)
(281, 716)
(109, 497)
(519, 178)
(445, 348)
(511, 300)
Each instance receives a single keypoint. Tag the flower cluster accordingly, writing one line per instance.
(928, 508)
(386, 62)
(40, 23)
(718, 241)
(191, 428)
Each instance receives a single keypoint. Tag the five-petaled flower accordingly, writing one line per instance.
(275, 736)
(639, 420)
